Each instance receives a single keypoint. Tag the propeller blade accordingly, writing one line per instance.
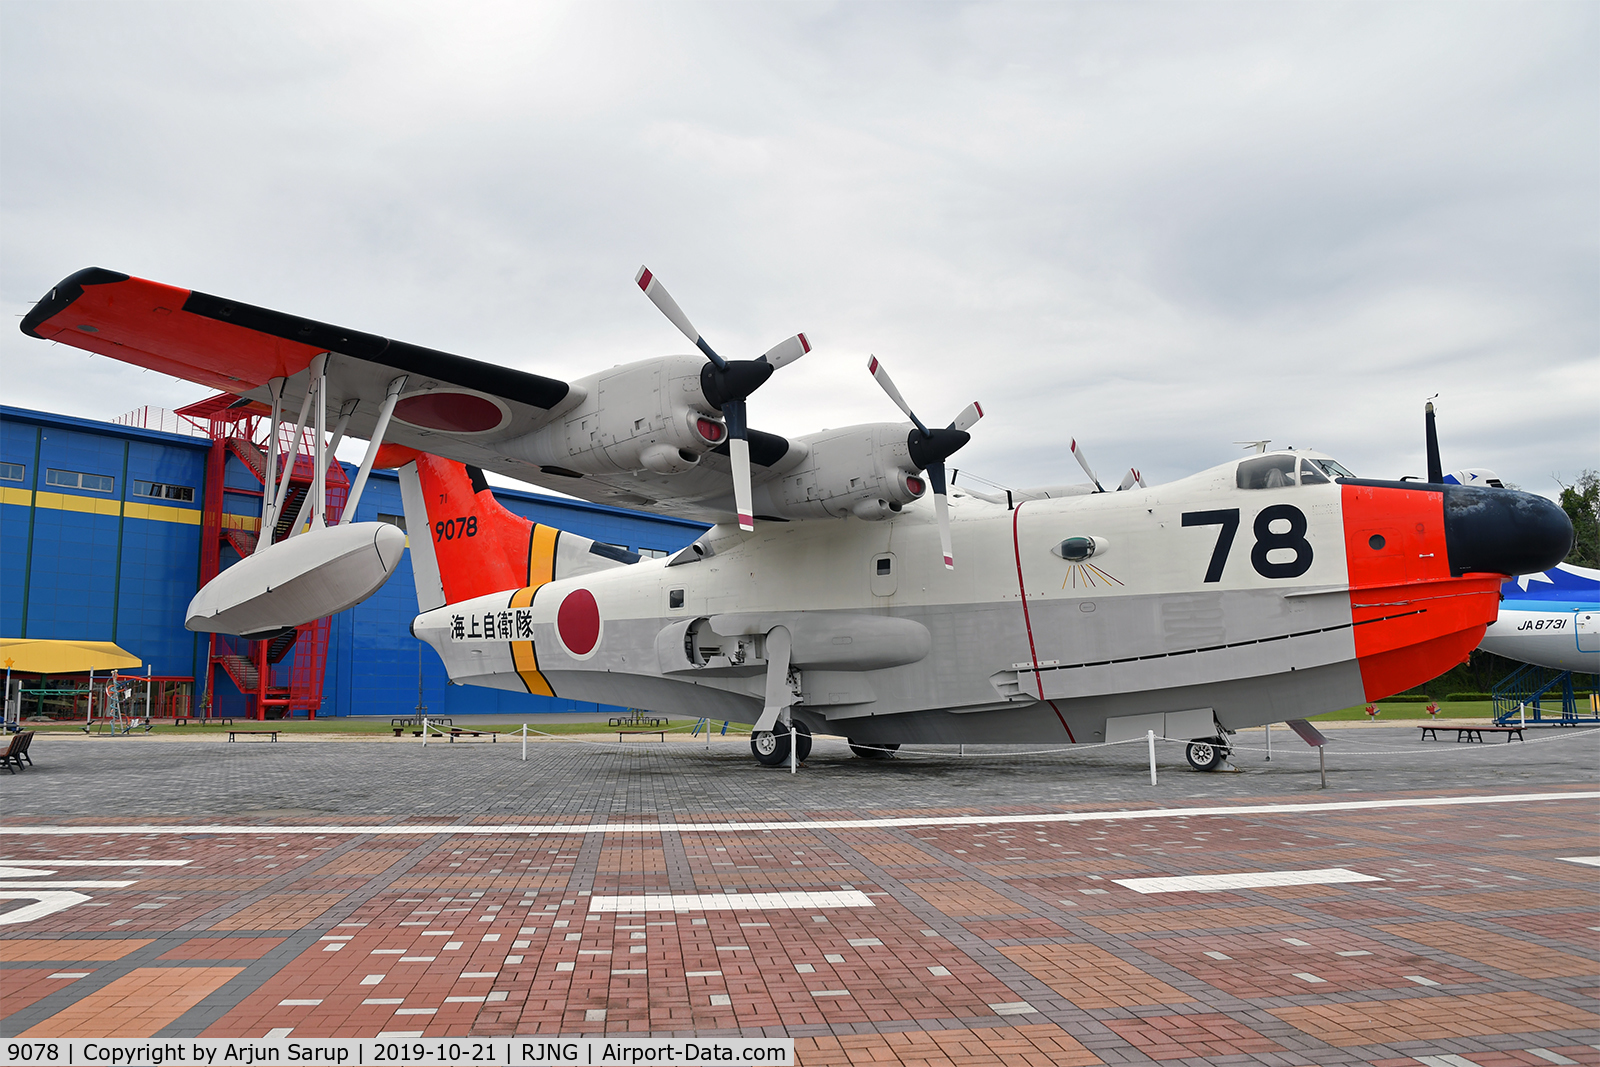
(1084, 463)
(968, 418)
(1435, 465)
(785, 352)
(941, 511)
(877, 370)
(669, 307)
(733, 413)
(739, 452)
(1129, 480)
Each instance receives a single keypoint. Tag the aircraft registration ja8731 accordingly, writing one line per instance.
(1273, 587)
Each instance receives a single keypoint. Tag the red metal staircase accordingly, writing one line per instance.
(282, 675)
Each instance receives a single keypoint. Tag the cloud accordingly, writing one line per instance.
(1157, 228)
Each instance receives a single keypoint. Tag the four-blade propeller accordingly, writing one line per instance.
(930, 448)
(728, 384)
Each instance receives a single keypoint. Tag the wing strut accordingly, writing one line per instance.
(345, 411)
(396, 387)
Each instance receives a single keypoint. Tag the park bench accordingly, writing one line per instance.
(15, 754)
(273, 734)
(400, 726)
(1472, 734)
(629, 733)
(184, 720)
(457, 731)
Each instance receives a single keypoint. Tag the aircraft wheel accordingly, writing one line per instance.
(1205, 755)
(873, 750)
(771, 749)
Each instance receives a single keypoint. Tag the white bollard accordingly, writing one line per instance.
(524, 742)
(1150, 735)
(1269, 742)
(424, 731)
(794, 751)
(1522, 714)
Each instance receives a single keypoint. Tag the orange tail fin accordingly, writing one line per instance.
(464, 544)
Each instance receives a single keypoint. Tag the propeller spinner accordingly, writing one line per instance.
(930, 448)
(728, 384)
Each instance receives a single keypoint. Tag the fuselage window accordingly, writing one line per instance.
(884, 566)
(1332, 469)
(675, 598)
(1267, 472)
(1310, 475)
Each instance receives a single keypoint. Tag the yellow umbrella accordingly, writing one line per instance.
(63, 657)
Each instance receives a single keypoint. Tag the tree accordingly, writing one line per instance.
(1581, 502)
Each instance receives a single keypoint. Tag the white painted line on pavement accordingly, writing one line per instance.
(731, 901)
(1129, 815)
(1218, 883)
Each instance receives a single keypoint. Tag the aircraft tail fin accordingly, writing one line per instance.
(465, 544)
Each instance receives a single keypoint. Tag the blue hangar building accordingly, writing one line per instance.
(103, 536)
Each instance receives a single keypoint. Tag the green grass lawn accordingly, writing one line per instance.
(370, 727)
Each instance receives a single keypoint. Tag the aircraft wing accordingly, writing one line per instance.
(452, 406)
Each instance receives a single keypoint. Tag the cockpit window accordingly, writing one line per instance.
(1332, 469)
(1267, 472)
(1310, 475)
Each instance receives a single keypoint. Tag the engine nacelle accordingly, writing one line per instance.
(651, 415)
(865, 471)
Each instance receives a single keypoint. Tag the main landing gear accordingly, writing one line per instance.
(1207, 754)
(771, 747)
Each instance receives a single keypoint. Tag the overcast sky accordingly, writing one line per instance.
(1160, 228)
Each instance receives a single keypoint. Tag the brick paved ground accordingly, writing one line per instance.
(998, 942)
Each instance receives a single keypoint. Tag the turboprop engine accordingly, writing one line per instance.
(314, 574)
(651, 415)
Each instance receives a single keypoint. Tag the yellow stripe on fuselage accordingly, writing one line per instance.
(541, 569)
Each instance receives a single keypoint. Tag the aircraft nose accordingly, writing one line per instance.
(1502, 531)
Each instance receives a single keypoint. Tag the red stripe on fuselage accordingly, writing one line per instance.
(1413, 620)
(1033, 655)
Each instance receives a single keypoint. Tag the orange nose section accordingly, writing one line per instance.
(1413, 620)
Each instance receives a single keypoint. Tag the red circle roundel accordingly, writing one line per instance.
(578, 622)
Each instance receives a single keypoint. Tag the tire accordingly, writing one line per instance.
(770, 749)
(1206, 754)
(874, 749)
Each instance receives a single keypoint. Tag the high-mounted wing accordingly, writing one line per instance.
(450, 404)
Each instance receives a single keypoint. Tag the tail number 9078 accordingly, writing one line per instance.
(450, 529)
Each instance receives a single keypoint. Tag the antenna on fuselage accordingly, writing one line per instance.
(1259, 446)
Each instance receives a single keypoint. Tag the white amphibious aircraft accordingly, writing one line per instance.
(828, 596)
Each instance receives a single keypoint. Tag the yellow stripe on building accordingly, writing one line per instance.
(163, 513)
(132, 509)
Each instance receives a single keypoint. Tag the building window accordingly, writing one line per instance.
(393, 520)
(95, 483)
(652, 553)
(163, 491)
(11, 472)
